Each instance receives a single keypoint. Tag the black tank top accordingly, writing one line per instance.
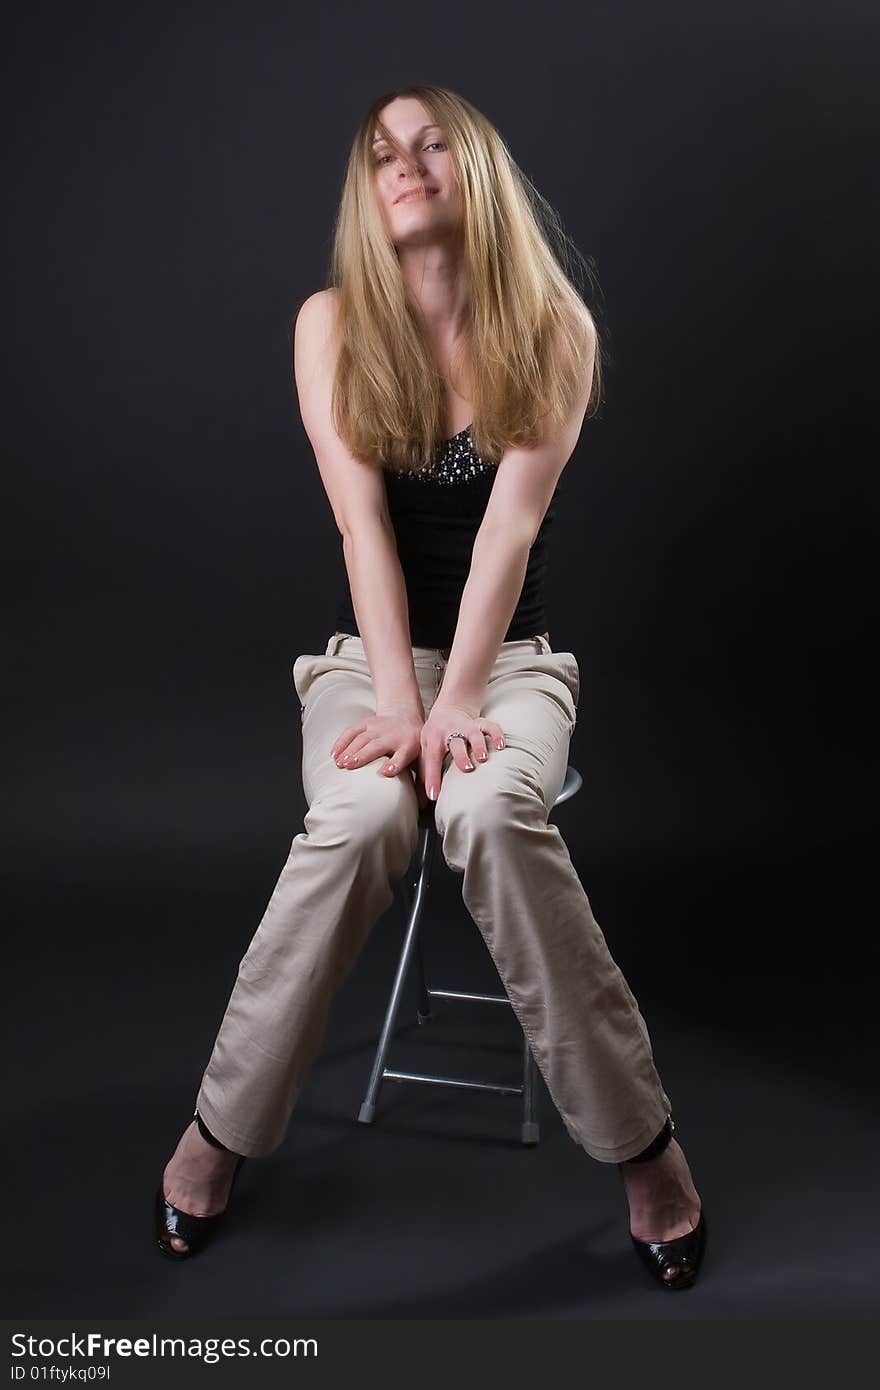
(436, 516)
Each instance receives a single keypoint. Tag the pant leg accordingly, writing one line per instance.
(360, 832)
(581, 1019)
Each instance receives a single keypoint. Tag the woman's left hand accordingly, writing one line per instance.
(447, 718)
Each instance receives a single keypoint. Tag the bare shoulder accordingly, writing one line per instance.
(578, 350)
(314, 346)
(355, 489)
(322, 302)
(316, 319)
(581, 326)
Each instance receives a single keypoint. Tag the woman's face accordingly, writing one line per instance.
(415, 215)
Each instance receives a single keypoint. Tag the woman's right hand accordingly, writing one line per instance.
(394, 731)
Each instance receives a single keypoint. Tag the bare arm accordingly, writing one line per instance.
(356, 492)
(521, 494)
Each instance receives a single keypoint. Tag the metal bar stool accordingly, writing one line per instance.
(414, 886)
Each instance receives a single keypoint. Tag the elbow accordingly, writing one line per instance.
(508, 537)
(370, 525)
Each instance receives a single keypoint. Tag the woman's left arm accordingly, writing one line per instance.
(521, 493)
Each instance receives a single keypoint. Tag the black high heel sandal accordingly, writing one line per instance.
(170, 1221)
(684, 1251)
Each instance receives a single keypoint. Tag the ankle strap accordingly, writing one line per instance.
(206, 1133)
(657, 1145)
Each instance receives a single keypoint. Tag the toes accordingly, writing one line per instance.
(178, 1244)
(671, 1271)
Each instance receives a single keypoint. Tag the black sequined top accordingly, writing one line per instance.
(436, 515)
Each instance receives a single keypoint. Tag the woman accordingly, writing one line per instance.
(450, 318)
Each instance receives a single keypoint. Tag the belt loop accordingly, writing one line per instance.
(538, 641)
(339, 638)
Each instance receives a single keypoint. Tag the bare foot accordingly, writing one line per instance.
(197, 1178)
(663, 1202)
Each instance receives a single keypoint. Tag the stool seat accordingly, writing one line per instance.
(415, 885)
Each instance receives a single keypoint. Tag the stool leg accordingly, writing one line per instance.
(423, 1011)
(425, 858)
(530, 1127)
(423, 1008)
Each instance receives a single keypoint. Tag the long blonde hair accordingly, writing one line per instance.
(530, 336)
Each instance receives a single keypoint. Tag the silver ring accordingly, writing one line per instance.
(455, 735)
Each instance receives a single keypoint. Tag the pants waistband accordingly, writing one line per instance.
(538, 643)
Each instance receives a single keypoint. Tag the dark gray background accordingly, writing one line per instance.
(172, 175)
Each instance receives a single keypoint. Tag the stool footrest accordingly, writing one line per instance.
(414, 892)
(452, 1081)
(466, 994)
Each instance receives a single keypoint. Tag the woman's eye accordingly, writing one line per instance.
(382, 157)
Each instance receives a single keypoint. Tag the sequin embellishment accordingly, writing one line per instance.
(456, 462)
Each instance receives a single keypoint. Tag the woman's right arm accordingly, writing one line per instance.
(356, 492)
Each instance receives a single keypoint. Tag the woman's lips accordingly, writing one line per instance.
(414, 193)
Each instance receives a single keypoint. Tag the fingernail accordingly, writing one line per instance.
(390, 768)
(468, 767)
(431, 793)
(482, 757)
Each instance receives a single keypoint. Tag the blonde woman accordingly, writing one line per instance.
(443, 380)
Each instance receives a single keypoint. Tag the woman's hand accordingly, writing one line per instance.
(394, 730)
(447, 718)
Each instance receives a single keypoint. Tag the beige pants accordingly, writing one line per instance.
(361, 829)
